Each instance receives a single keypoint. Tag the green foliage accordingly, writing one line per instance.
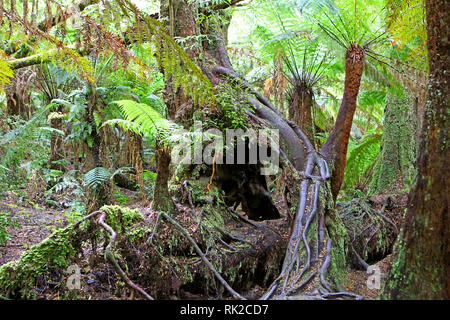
(6, 222)
(120, 198)
(5, 73)
(405, 20)
(233, 109)
(142, 119)
(173, 59)
(96, 177)
(360, 158)
(24, 150)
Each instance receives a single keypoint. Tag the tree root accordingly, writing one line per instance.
(202, 256)
(372, 232)
(112, 259)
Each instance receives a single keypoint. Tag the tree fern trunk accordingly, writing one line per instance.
(335, 148)
(161, 197)
(300, 107)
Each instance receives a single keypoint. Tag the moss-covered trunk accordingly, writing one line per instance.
(421, 264)
(398, 145)
(56, 141)
(99, 196)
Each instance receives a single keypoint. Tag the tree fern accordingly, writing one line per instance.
(142, 119)
(361, 157)
(96, 177)
(99, 175)
(89, 34)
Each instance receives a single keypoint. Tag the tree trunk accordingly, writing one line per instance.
(421, 267)
(335, 148)
(101, 195)
(161, 197)
(56, 142)
(178, 17)
(300, 107)
(398, 146)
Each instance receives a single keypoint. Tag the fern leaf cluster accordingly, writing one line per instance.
(96, 177)
(91, 38)
(361, 157)
(142, 119)
(5, 72)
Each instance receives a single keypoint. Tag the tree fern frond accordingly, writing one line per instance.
(361, 157)
(374, 74)
(142, 119)
(30, 123)
(173, 59)
(5, 73)
(371, 98)
(125, 125)
(96, 177)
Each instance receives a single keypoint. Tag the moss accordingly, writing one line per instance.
(121, 218)
(338, 233)
(17, 277)
(398, 145)
(412, 277)
(396, 274)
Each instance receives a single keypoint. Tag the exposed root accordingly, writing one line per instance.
(372, 232)
(202, 256)
(113, 260)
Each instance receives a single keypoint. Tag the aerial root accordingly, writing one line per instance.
(324, 268)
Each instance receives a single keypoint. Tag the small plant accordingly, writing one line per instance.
(120, 198)
(5, 222)
(77, 210)
(233, 113)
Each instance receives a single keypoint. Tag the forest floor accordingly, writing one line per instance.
(34, 222)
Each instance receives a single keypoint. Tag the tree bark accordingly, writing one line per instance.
(335, 148)
(161, 197)
(395, 168)
(421, 267)
(300, 107)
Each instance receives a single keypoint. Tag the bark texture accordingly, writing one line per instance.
(161, 198)
(300, 107)
(335, 148)
(398, 146)
(421, 267)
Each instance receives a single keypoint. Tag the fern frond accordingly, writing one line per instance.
(371, 98)
(143, 119)
(5, 73)
(96, 177)
(361, 157)
(374, 74)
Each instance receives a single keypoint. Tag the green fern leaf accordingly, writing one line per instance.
(96, 177)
